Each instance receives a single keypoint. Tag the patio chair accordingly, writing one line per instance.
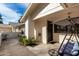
(68, 49)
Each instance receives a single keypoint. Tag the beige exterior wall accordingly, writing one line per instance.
(41, 31)
(20, 28)
(29, 28)
(37, 27)
(13, 29)
(5, 28)
(11, 35)
(62, 35)
(26, 28)
(56, 37)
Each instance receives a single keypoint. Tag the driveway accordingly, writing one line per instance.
(11, 47)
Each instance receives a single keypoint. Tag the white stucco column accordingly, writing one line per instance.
(26, 27)
(44, 33)
(29, 28)
(30, 31)
(12, 29)
(35, 33)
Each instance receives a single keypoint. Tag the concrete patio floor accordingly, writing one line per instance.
(11, 47)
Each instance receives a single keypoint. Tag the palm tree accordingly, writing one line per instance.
(1, 20)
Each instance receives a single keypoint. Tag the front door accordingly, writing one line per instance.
(49, 31)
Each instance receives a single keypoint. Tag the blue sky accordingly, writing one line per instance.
(11, 12)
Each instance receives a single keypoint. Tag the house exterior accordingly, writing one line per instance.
(17, 27)
(40, 19)
(11, 27)
(5, 28)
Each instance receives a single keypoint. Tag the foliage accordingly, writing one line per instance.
(31, 41)
(22, 40)
(1, 20)
(27, 41)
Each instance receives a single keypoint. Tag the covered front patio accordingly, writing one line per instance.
(45, 26)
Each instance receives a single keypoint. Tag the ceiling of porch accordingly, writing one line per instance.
(73, 8)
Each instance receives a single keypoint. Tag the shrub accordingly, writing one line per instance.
(30, 41)
(23, 40)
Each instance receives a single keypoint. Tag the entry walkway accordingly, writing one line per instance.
(11, 47)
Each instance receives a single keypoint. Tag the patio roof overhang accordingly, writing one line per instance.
(54, 16)
(32, 9)
(51, 8)
(62, 14)
(20, 24)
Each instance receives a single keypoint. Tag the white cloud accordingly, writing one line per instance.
(24, 4)
(8, 14)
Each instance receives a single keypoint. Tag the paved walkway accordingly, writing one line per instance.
(11, 47)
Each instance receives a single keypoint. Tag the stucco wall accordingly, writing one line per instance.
(11, 35)
(29, 28)
(26, 28)
(58, 37)
(41, 30)
(5, 29)
(55, 37)
(62, 35)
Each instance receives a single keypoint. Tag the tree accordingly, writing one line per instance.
(1, 20)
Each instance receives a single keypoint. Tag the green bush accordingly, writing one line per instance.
(23, 40)
(30, 41)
